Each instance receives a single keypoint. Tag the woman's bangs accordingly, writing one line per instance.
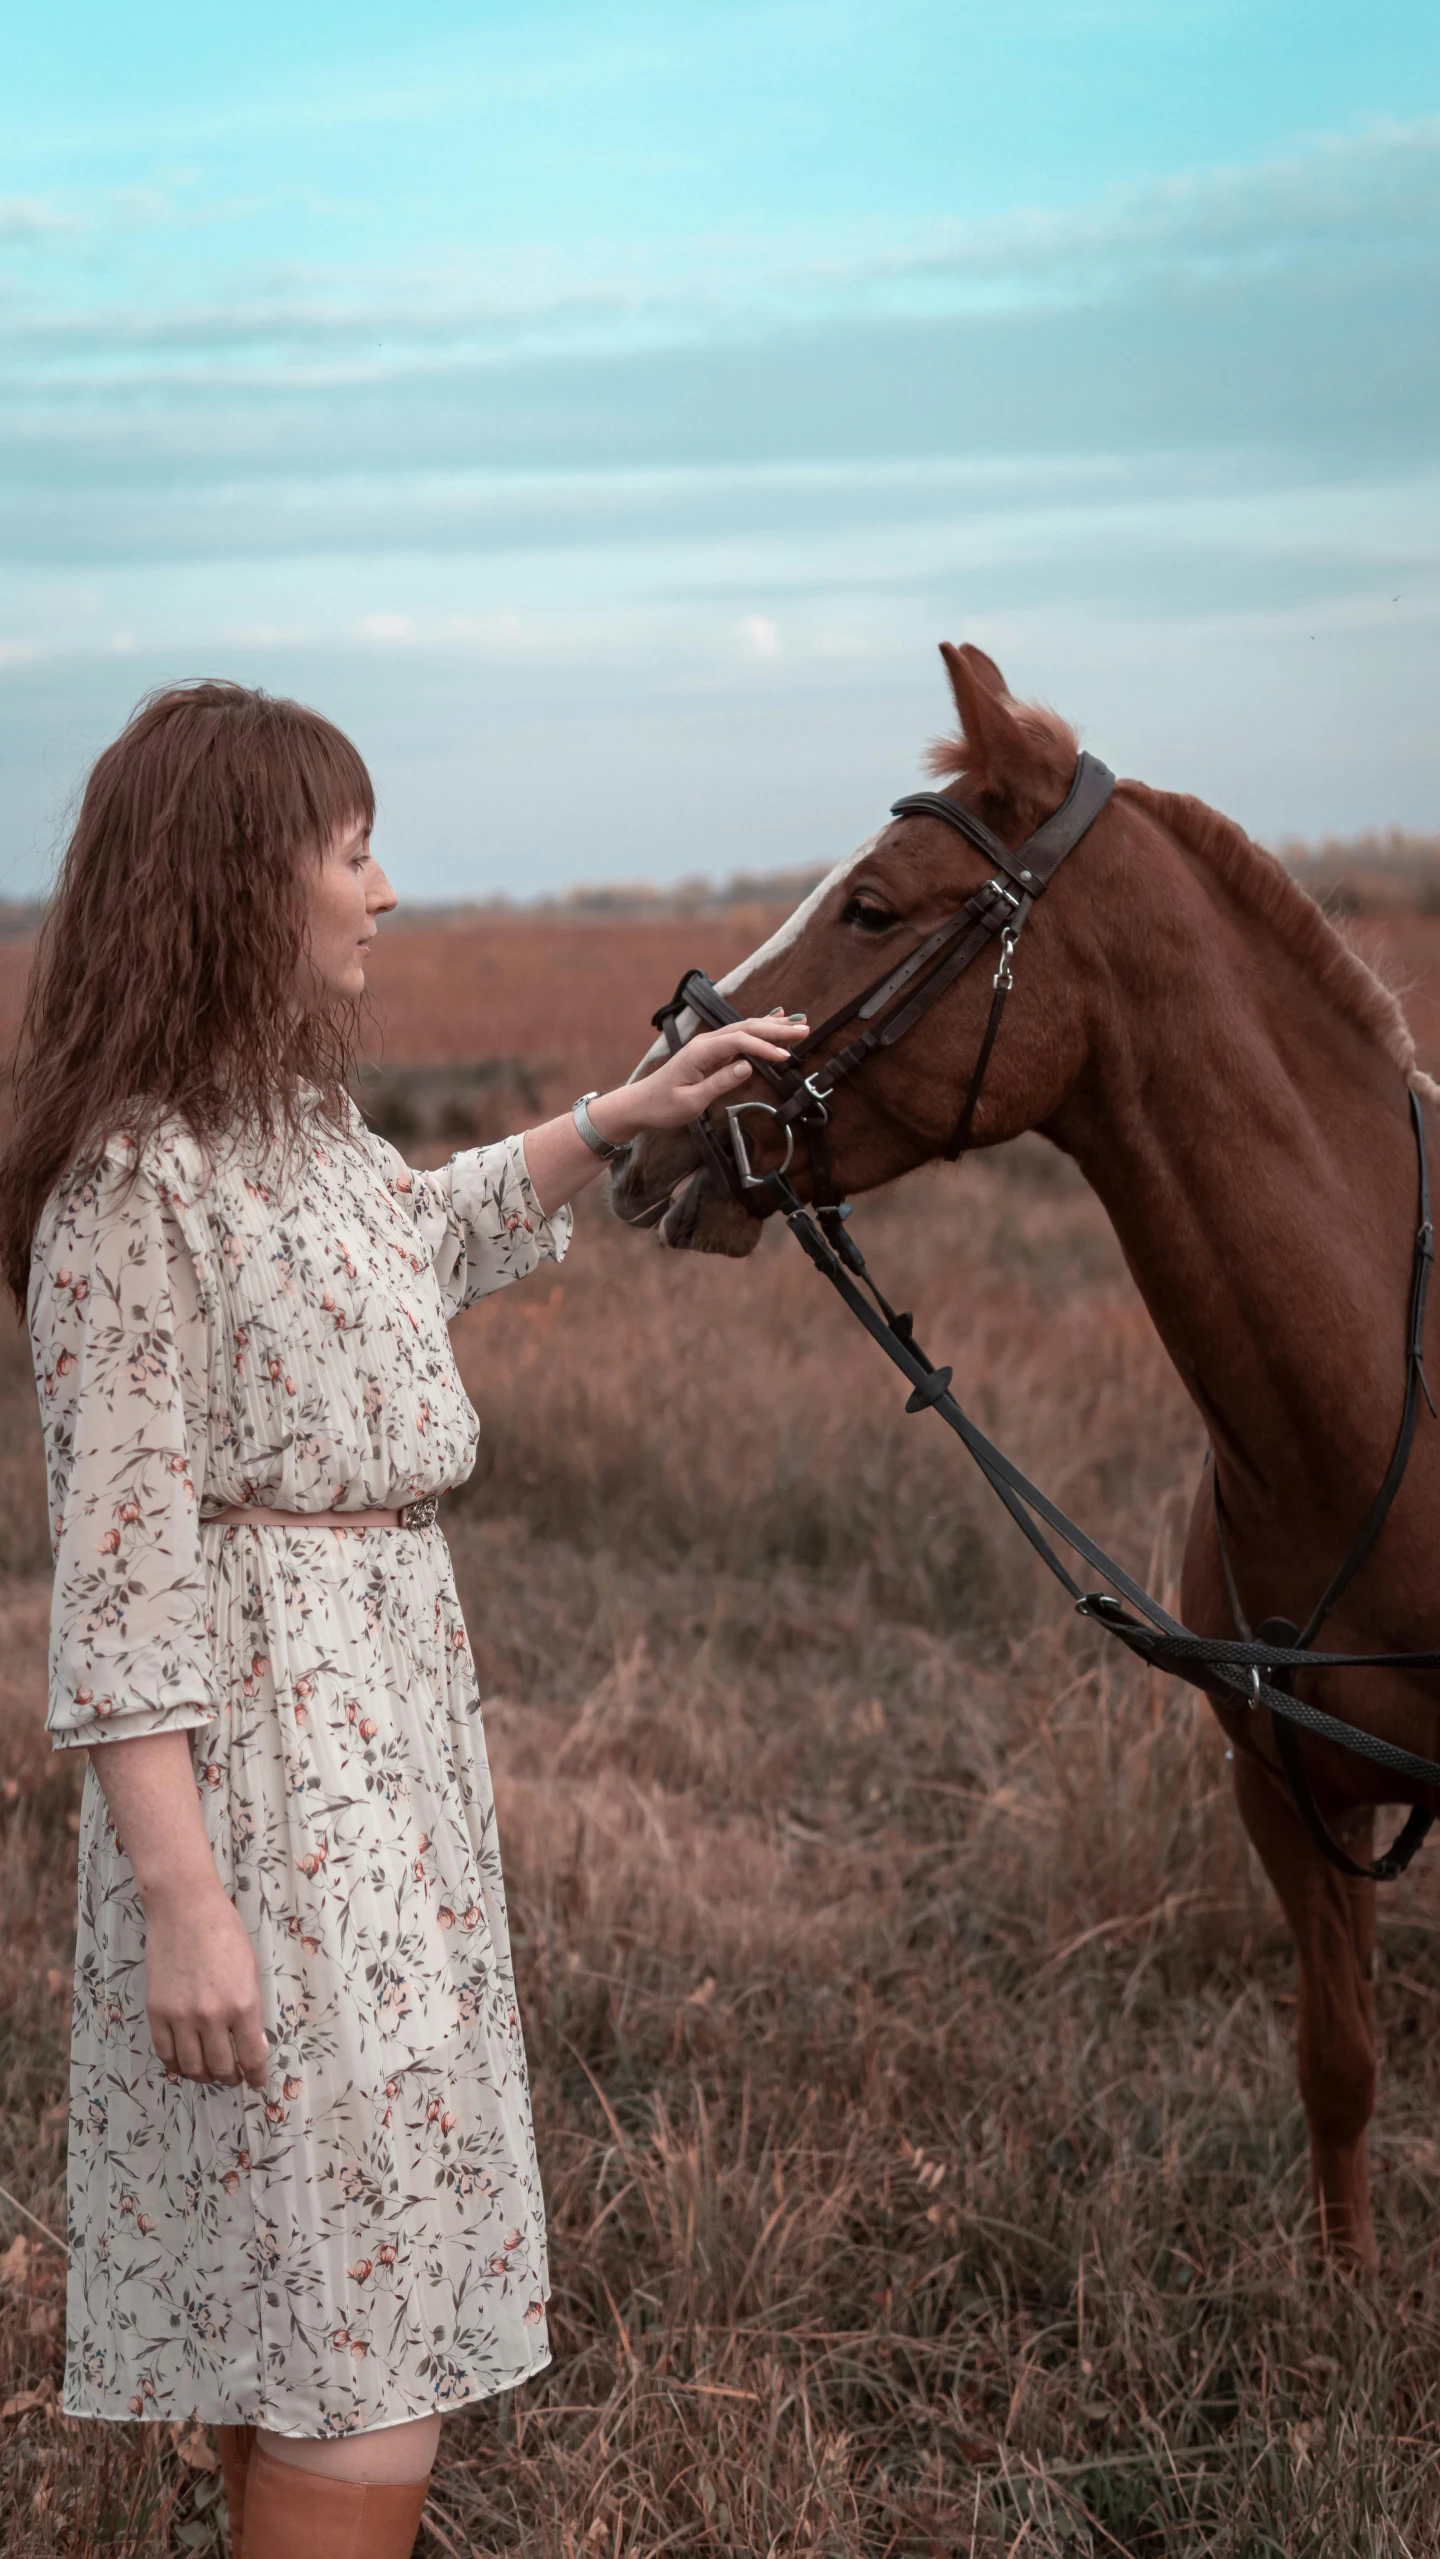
(334, 781)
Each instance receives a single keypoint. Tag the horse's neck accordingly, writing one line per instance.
(1253, 1148)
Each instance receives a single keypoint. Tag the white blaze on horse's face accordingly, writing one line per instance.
(787, 935)
(794, 925)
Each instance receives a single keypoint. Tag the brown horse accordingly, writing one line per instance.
(1233, 1082)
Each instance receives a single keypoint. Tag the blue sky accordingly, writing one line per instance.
(604, 409)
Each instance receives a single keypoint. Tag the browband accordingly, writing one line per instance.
(1041, 855)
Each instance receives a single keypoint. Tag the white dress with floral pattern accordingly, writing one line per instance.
(364, 2242)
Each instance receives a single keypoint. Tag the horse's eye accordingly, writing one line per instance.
(868, 915)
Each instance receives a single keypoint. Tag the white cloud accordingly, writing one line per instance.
(25, 218)
(1171, 418)
(140, 208)
(1355, 199)
(1369, 199)
(760, 635)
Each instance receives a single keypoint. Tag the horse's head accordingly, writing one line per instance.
(1014, 765)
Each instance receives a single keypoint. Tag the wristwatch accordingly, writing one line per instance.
(597, 1144)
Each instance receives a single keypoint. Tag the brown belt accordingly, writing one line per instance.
(421, 1514)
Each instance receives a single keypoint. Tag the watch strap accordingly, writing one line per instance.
(598, 1145)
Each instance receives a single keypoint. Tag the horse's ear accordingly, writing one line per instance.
(987, 714)
(1008, 747)
(969, 667)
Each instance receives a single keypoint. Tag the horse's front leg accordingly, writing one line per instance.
(1332, 1919)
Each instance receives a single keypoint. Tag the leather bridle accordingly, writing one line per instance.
(909, 987)
(1256, 1669)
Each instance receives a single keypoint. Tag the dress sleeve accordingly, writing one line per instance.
(119, 1338)
(480, 1219)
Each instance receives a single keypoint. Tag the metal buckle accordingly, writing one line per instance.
(817, 1097)
(421, 1514)
(734, 1113)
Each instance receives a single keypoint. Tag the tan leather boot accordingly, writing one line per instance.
(292, 2513)
(236, 2444)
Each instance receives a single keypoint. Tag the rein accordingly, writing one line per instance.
(1257, 1669)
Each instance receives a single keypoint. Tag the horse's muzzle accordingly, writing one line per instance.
(644, 1180)
(660, 1184)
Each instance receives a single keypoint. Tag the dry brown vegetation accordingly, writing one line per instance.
(910, 2028)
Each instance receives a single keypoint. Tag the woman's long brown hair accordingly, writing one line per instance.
(165, 977)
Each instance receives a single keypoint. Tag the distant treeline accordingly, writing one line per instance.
(1390, 874)
(1374, 874)
(1394, 873)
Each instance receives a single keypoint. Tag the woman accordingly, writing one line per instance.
(303, 2197)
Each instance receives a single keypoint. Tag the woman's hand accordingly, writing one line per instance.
(202, 1989)
(202, 1983)
(712, 1066)
(705, 1070)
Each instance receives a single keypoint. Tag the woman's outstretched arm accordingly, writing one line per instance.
(680, 1090)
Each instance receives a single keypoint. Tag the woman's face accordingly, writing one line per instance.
(348, 891)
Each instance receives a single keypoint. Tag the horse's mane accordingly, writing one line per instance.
(1256, 877)
(1267, 888)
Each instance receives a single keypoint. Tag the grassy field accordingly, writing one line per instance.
(910, 2028)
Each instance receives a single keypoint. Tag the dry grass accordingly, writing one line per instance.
(909, 2028)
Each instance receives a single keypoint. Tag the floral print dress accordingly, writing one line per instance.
(363, 2242)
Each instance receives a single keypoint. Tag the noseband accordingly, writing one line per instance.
(1259, 1668)
(808, 1080)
